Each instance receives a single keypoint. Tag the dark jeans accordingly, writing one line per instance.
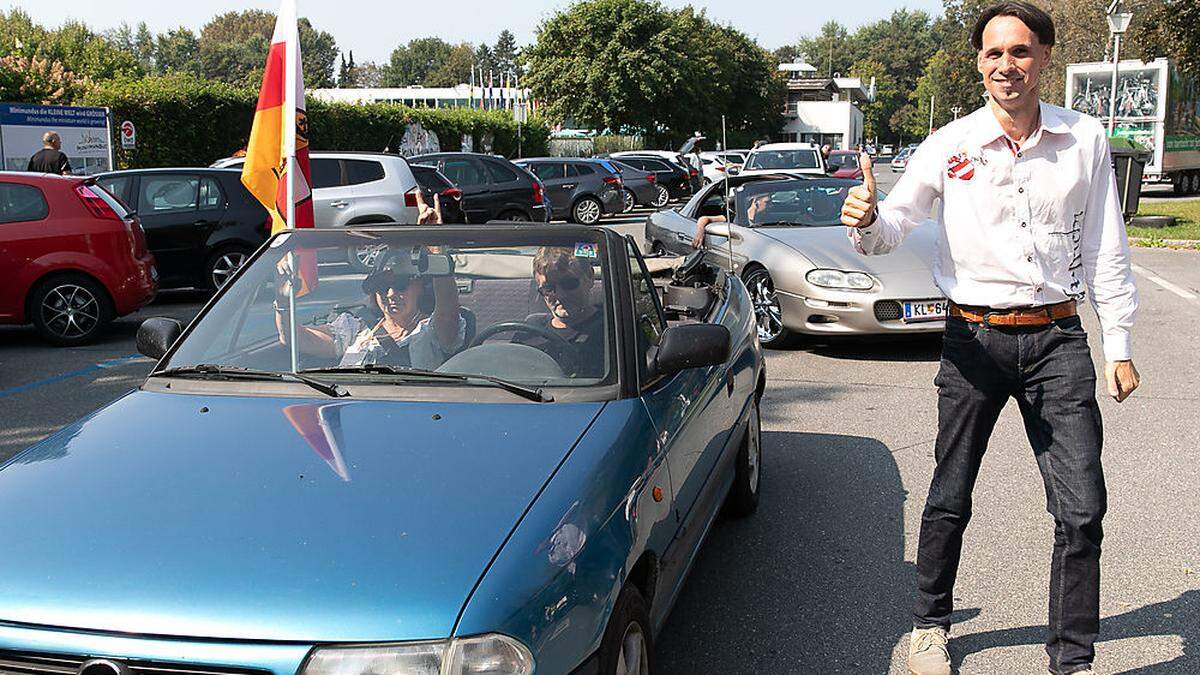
(1049, 371)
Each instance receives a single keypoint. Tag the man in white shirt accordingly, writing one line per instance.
(1030, 223)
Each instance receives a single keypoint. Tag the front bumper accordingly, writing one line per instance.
(850, 313)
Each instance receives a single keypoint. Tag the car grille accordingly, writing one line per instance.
(887, 310)
(27, 663)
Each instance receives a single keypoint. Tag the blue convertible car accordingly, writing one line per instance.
(497, 451)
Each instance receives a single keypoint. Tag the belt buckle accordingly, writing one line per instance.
(987, 319)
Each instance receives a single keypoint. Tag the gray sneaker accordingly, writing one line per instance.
(927, 653)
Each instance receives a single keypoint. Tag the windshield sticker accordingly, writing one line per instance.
(585, 249)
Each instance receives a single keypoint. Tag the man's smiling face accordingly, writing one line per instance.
(1011, 61)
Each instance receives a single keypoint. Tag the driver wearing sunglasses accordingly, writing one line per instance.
(565, 283)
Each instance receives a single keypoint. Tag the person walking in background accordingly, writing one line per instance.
(50, 159)
(1025, 200)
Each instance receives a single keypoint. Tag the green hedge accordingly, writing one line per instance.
(186, 121)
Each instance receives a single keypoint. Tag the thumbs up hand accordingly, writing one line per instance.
(859, 208)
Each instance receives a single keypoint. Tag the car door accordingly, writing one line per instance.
(554, 179)
(176, 228)
(23, 237)
(508, 191)
(333, 197)
(470, 176)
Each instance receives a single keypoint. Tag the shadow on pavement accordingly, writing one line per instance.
(1179, 617)
(176, 304)
(815, 581)
(903, 348)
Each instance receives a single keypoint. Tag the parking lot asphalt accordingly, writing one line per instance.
(821, 578)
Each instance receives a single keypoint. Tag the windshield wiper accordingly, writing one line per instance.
(530, 393)
(211, 369)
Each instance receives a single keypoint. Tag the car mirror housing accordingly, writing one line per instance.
(721, 230)
(155, 336)
(694, 345)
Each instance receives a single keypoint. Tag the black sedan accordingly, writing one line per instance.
(201, 224)
(493, 188)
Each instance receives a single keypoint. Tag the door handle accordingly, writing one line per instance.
(339, 204)
(568, 186)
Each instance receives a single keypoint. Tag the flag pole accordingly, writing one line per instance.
(289, 152)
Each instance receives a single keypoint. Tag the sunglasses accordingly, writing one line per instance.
(563, 283)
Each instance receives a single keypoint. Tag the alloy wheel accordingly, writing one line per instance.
(633, 659)
(70, 311)
(766, 305)
(754, 449)
(226, 265)
(627, 201)
(587, 211)
(661, 197)
(368, 255)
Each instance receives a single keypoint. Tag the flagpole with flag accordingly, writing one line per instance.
(277, 170)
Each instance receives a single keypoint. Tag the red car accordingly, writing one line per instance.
(846, 164)
(72, 258)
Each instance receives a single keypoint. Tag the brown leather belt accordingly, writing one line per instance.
(1014, 316)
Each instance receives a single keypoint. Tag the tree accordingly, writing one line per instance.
(86, 53)
(177, 51)
(368, 75)
(32, 79)
(907, 122)
(456, 69)
(347, 72)
(877, 113)
(485, 60)
(830, 52)
(1170, 28)
(233, 48)
(413, 63)
(505, 52)
(786, 54)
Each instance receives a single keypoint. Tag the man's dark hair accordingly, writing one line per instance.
(1034, 17)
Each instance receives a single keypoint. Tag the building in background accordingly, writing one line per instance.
(458, 96)
(822, 110)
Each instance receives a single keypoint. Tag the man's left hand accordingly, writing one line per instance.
(1122, 378)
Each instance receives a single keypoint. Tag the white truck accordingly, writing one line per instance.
(1157, 107)
(86, 135)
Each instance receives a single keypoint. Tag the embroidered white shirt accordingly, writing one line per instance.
(1019, 226)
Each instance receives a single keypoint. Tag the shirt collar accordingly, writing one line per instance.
(987, 127)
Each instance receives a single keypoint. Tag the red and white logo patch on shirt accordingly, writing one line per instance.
(960, 167)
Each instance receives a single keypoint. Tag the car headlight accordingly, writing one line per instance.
(853, 281)
(490, 654)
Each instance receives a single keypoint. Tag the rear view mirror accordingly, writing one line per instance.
(155, 336)
(733, 171)
(721, 230)
(693, 345)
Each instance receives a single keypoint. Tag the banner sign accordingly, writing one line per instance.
(84, 133)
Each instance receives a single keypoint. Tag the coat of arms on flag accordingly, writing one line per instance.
(959, 166)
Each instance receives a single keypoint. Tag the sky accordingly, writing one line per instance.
(372, 28)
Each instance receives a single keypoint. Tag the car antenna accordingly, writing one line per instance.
(728, 207)
(387, 147)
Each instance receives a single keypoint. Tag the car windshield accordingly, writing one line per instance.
(845, 160)
(791, 202)
(529, 307)
(783, 159)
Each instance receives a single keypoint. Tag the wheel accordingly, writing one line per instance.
(1194, 183)
(587, 211)
(658, 249)
(743, 496)
(627, 201)
(767, 312)
(222, 265)
(364, 258)
(69, 310)
(514, 216)
(627, 647)
(661, 197)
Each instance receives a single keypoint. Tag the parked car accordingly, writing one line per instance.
(434, 182)
(357, 188)
(803, 273)
(493, 187)
(579, 190)
(501, 513)
(794, 157)
(900, 161)
(676, 179)
(844, 164)
(638, 187)
(717, 165)
(672, 157)
(73, 258)
(201, 224)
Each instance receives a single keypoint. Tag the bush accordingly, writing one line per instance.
(182, 120)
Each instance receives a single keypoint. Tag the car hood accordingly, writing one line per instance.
(829, 247)
(271, 519)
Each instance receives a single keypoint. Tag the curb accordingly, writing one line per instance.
(1170, 243)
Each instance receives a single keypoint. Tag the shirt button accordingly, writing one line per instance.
(1030, 258)
(1020, 155)
(1024, 224)
(1037, 288)
(1021, 190)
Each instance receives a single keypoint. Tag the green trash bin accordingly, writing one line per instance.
(1129, 161)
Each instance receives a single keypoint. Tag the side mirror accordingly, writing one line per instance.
(155, 336)
(693, 345)
(733, 171)
(721, 230)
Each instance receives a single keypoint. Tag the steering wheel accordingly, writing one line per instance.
(558, 348)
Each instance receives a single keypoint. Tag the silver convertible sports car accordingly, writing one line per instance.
(804, 275)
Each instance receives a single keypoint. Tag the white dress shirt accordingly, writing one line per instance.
(1019, 226)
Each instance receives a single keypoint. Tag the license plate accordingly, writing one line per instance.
(924, 310)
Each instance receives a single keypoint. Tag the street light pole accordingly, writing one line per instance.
(1118, 23)
(931, 113)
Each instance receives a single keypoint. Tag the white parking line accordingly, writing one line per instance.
(1181, 292)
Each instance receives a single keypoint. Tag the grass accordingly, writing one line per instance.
(1187, 225)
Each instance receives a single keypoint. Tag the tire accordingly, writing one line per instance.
(628, 647)
(70, 309)
(587, 211)
(224, 264)
(772, 334)
(628, 201)
(662, 197)
(514, 216)
(743, 496)
(658, 249)
(363, 258)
